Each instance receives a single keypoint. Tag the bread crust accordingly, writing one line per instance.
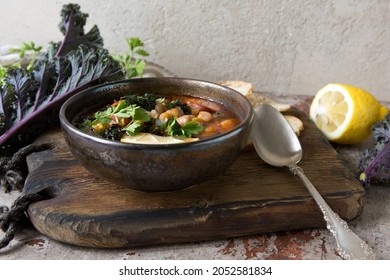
(246, 89)
(295, 123)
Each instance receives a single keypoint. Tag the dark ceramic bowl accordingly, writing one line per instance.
(155, 167)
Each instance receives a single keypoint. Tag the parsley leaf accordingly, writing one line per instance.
(134, 127)
(188, 130)
(103, 116)
(137, 115)
(140, 114)
(191, 128)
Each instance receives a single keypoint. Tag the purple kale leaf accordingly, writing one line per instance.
(374, 165)
(29, 101)
(72, 27)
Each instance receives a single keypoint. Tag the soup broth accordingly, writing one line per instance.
(184, 118)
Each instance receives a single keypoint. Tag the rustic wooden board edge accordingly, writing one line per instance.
(144, 228)
(69, 185)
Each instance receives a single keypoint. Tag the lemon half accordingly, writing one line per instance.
(148, 138)
(345, 114)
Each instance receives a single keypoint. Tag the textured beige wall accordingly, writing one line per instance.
(286, 47)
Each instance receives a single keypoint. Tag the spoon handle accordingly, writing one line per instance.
(349, 245)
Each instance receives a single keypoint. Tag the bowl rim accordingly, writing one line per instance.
(65, 122)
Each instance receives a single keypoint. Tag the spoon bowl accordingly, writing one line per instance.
(278, 145)
(275, 144)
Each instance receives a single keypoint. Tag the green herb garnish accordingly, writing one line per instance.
(129, 115)
(173, 128)
(134, 113)
(3, 72)
(133, 66)
(28, 47)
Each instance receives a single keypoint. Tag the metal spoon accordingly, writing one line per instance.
(277, 144)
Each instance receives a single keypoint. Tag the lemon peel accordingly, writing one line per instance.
(345, 113)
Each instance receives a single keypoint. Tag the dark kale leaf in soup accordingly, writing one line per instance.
(151, 119)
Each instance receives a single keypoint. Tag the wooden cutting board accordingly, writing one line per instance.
(249, 198)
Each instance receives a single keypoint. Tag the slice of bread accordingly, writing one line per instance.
(257, 99)
(242, 87)
(246, 89)
(295, 123)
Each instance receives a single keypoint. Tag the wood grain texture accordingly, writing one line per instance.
(250, 198)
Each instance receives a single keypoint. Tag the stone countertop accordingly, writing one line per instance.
(373, 226)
